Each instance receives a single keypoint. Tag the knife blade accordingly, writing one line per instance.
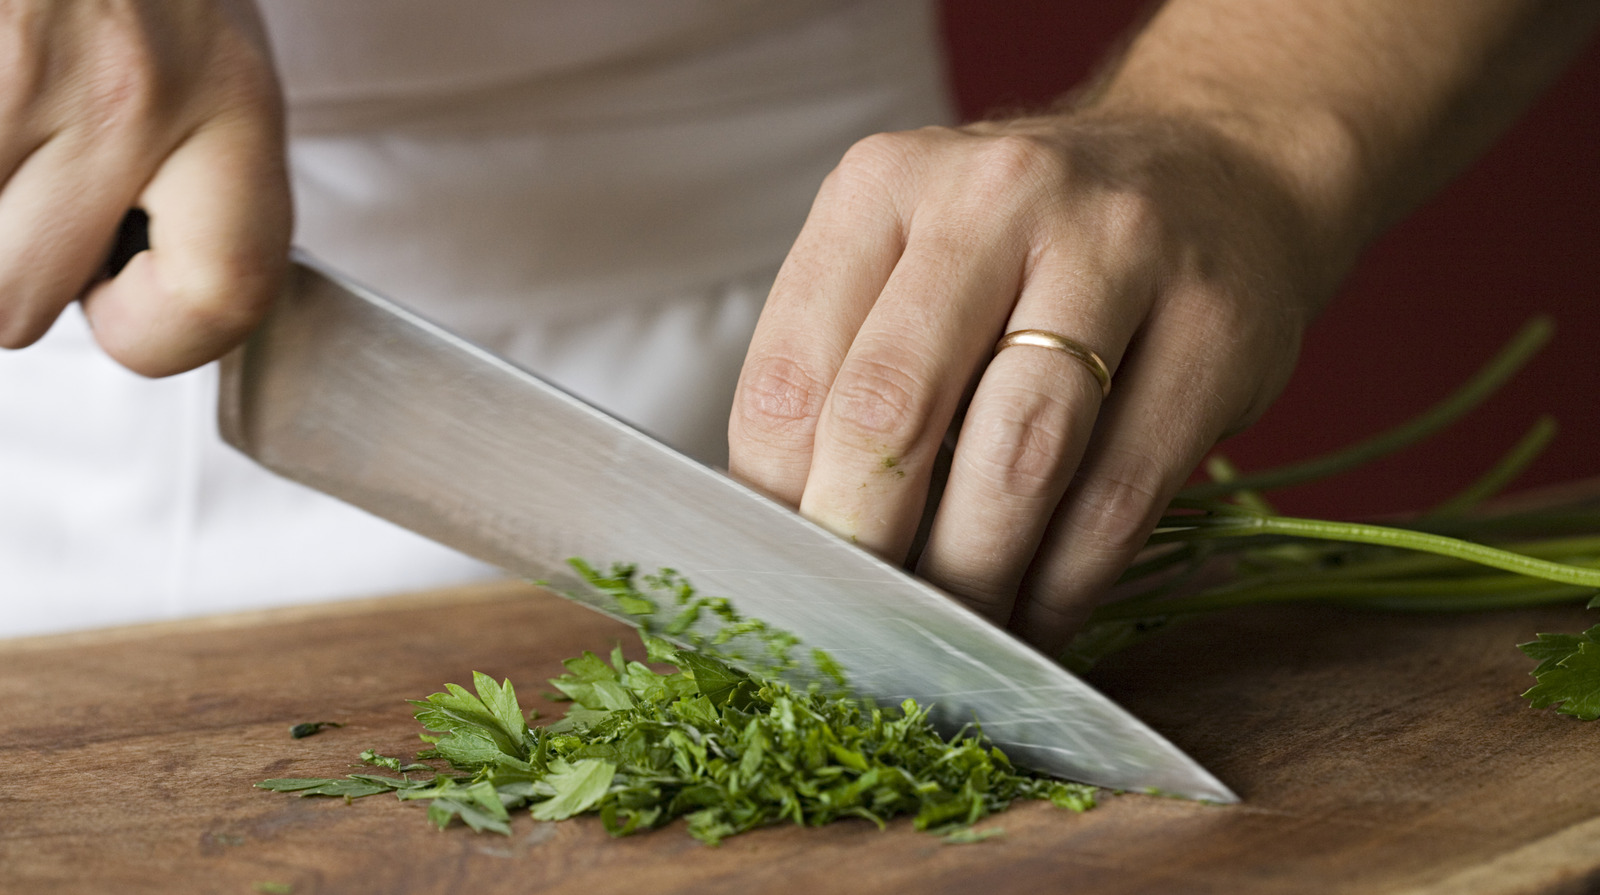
(351, 394)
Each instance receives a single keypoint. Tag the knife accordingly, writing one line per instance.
(346, 392)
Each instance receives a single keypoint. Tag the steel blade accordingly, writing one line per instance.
(359, 398)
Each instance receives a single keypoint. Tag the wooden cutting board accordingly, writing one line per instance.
(1375, 753)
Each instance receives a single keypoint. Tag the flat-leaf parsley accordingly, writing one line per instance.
(724, 748)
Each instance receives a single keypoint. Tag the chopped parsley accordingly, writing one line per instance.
(726, 749)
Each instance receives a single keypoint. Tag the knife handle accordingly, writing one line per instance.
(133, 237)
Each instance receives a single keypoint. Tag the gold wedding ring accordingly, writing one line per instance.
(1045, 339)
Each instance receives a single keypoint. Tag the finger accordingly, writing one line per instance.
(58, 212)
(1024, 433)
(899, 386)
(839, 263)
(1166, 412)
(220, 223)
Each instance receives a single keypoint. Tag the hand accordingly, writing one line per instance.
(171, 106)
(1183, 261)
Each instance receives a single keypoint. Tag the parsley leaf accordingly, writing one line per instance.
(348, 788)
(967, 835)
(1568, 673)
(718, 683)
(476, 729)
(579, 786)
(1551, 649)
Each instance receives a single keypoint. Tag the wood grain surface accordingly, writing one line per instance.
(1376, 754)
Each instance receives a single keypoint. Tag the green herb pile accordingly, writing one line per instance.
(1222, 545)
(727, 750)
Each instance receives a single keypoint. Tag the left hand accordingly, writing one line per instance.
(1184, 261)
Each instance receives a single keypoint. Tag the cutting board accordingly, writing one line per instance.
(1375, 753)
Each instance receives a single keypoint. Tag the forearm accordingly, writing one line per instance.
(1365, 106)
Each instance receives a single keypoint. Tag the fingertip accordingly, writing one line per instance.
(1049, 627)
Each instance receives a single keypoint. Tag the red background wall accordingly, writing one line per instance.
(1517, 235)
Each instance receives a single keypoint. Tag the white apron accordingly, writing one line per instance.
(598, 189)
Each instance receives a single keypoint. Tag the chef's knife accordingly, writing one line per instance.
(346, 392)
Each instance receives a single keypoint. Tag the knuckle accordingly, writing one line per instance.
(879, 160)
(1016, 154)
(1121, 503)
(877, 404)
(776, 394)
(121, 86)
(871, 162)
(223, 300)
(873, 153)
(1009, 159)
(245, 73)
(131, 74)
(1130, 216)
(1021, 445)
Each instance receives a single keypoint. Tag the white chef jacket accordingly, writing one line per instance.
(599, 189)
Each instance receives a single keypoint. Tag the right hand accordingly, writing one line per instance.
(167, 105)
(1156, 239)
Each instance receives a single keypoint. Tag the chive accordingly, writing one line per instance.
(1512, 358)
(1526, 450)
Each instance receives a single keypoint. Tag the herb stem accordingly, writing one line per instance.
(1430, 582)
(1517, 352)
(1221, 469)
(1184, 554)
(1526, 450)
(1341, 563)
(1482, 592)
(1384, 536)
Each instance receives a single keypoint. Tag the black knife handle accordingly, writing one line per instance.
(133, 237)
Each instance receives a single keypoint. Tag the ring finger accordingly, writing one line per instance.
(1025, 432)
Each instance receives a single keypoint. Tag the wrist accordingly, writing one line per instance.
(1313, 155)
(1286, 190)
